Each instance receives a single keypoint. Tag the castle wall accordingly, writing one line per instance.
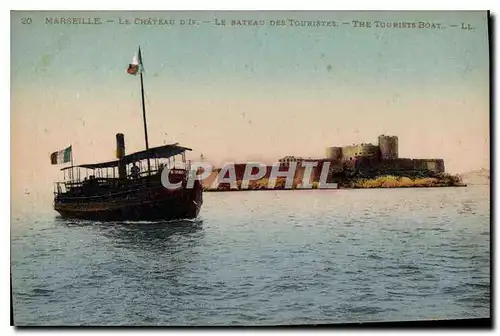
(334, 168)
(435, 165)
(207, 182)
(239, 170)
(360, 150)
(372, 166)
(334, 153)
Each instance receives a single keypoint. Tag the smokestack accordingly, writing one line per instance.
(120, 153)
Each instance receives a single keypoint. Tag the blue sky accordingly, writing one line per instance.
(187, 57)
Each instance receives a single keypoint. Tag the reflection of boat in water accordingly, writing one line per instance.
(118, 190)
(154, 236)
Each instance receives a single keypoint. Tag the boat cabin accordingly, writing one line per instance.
(142, 168)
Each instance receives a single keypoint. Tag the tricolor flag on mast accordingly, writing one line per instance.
(135, 67)
(61, 156)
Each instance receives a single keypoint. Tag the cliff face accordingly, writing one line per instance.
(481, 176)
(239, 170)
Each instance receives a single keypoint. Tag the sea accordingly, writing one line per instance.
(261, 258)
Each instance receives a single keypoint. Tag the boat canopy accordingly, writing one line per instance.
(159, 152)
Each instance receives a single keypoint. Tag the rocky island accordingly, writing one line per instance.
(349, 167)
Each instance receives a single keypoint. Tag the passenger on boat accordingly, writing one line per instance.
(134, 171)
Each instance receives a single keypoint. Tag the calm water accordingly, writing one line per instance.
(262, 258)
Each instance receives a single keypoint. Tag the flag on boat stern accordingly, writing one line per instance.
(135, 67)
(61, 156)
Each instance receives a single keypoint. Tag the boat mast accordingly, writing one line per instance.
(72, 165)
(144, 108)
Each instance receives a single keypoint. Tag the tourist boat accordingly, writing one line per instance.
(129, 187)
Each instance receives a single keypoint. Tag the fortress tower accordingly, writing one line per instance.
(334, 153)
(388, 147)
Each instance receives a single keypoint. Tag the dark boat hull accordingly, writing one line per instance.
(151, 203)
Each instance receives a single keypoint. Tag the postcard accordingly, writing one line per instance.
(250, 168)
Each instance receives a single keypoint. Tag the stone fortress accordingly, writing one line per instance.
(356, 161)
(382, 158)
(369, 160)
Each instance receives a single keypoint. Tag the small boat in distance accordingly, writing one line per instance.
(130, 187)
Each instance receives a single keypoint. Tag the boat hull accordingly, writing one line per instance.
(134, 205)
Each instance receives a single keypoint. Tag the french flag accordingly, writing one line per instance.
(135, 67)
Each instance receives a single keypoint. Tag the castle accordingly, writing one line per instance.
(369, 160)
(361, 160)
